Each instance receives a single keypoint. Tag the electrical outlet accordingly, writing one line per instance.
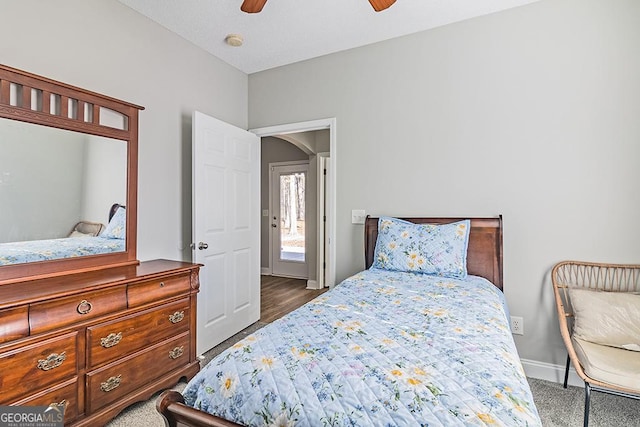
(517, 325)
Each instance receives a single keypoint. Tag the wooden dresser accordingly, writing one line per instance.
(98, 341)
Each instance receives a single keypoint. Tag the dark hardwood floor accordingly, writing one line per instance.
(280, 295)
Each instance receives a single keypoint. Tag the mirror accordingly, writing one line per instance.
(67, 155)
(56, 188)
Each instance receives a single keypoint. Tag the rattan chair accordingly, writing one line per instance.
(597, 277)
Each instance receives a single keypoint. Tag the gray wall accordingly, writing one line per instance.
(41, 181)
(51, 178)
(104, 46)
(531, 113)
(105, 180)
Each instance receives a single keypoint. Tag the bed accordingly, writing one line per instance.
(420, 337)
(111, 239)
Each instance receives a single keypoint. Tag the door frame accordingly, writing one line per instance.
(320, 124)
(324, 165)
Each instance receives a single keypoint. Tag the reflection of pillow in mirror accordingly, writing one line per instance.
(79, 234)
(89, 228)
(117, 226)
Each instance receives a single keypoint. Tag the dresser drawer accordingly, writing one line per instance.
(66, 394)
(50, 315)
(33, 367)
(154, 290)
(107, 384)
(14, 323)
(113, 340)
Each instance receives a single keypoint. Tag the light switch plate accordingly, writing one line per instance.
(358, 216)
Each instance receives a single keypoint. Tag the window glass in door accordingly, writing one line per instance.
(292, 217)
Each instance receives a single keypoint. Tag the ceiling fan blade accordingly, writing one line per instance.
(253, 6)
(379, 5)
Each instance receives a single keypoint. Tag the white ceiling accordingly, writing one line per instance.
(288, 31)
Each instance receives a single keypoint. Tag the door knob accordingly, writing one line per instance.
(202, 245)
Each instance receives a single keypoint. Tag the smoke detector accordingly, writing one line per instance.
(234, 40)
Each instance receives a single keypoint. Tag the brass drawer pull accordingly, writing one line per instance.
(84, 307)
(176, 317)
(110, 384)
(52, 361)
(111, 340)
(176, 352)
(62, 403)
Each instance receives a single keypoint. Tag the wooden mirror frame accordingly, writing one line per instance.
(73, 119)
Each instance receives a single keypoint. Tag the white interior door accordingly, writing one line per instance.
(288, 220)
(226, 228)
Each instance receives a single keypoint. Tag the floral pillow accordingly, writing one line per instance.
(117, 227)
(437, 249)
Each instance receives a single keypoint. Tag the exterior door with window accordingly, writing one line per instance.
(288, 231)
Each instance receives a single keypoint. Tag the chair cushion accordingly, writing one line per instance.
(610, 365)
(607, 318)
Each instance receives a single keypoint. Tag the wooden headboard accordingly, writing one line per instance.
(484, 253)
(114, 208)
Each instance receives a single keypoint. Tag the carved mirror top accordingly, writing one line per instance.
(37, 100)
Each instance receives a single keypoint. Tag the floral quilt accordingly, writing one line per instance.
(380, 349)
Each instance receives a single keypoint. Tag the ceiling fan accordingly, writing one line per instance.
(255, 6)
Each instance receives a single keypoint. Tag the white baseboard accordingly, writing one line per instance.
(265, 271)
(312, 284)
(550, 372)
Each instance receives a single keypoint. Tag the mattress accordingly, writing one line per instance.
(382, 348)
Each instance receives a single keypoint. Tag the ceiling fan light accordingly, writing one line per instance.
(379, 5)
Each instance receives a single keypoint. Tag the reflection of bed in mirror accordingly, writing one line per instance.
(108, 239)
(51, 179)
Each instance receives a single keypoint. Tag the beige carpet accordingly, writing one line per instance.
(557, 407)
(141, 414)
